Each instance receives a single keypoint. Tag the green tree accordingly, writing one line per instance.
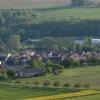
(2, 46)
(2, 20)
(70, 62)
(37, 64)
(11, 73)
(55, 68)
(13, 42)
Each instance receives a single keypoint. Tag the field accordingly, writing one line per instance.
(91, 97)
(28, 3)
(67, 14)
(82, 75)
(89, 75)
(15, 92)
(21, 92)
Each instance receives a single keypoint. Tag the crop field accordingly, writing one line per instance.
(85, 75)
(91, 97)
(21, 92)
(82, 75)
(68, 95)
(67, 14)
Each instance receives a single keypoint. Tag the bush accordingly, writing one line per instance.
(3, 77)
(46, 83)
(70, 62)
(26, 83)
(77, 85)
(11, 73)
(36, 83)
(17, 81)
(67, 85)
(9, 81)
(86, 86)
(56, 84)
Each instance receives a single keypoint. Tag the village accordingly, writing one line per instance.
(19, 61)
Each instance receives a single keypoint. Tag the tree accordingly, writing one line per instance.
(11, 73)
(55, 68)
(36, 83)
(70, 62)
(56, 83)
(37, 64)
(77, 85)
(46, 83)
(13, 42)
(2, 20)
(86, 85)
(87, 41)
(2, 46)
(67, 85)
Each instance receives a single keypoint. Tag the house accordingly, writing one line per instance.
(3, 57)
(56, 59)
(0, 64)
(30, 73)
(95, 41)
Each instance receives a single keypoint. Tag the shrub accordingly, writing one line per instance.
(36, 83)
(11, 73)
(77, 85)
(56, 84)
(86, 86)
(3, 77)
(26, 83)
(9, 81)
(17, 81)
(67, 85)
(46, 83)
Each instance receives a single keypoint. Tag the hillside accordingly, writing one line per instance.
(21, 3)
(24, 3)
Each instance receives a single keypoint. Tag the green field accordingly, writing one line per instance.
(91, 97)
(8, 92)
(15, 92)
(82, 75)
(67, 13)
(89, 75)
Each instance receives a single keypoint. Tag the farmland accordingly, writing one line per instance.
(82, 75)
(8, 92)
(21, 92)
(67, 14)
(89, 75)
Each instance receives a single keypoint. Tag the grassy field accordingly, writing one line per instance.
(9, 92)
(21, 92)
(68, 13)
(91, 97)
(89, 75)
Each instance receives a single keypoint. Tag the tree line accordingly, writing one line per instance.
(22, 23)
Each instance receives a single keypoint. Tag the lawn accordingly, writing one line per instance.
(89, 75)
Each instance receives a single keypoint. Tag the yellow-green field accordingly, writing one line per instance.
(63, 96)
